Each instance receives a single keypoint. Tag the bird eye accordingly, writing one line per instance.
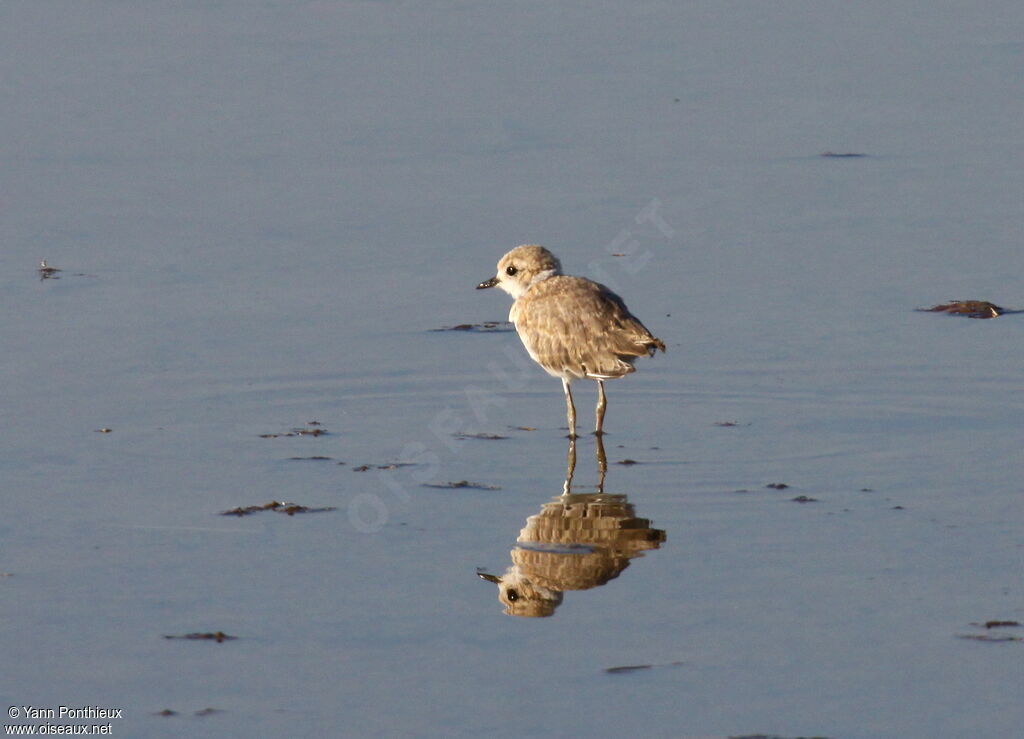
(511, 270)
(512, 595)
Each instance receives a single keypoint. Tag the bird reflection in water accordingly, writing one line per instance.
(578, 541)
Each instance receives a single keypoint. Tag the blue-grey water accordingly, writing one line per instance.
(262, 210)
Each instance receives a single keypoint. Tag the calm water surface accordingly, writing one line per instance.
(262, 212)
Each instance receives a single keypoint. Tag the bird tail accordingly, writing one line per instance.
(654, 344)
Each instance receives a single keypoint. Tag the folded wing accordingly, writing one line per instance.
(580, 329)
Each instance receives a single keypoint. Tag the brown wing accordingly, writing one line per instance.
(572, 326)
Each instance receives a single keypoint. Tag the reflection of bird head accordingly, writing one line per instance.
(522, 597)
(576, 542)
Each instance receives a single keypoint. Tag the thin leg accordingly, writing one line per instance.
(602, 462)
(570, 467)
(570, 408)
(602, 403)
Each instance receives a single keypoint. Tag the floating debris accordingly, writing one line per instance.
(627, 668)
(299, 432)
(523, 428)
(999, 624)
(217, 636)
(485, 327)
(991, 637)
(486, 437)
(391, 466)
(627, 462)
(103, 430)
(729, 424)
(969, 308)
(777, 485)
(635, 668)
(315, 458)
(461, 484)
(166, 712)
(774, 736)
(804, 499)
(46, 272)
(290, 508)
(842, 155)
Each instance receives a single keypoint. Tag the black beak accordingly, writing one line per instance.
(487, 283)
(485, 576)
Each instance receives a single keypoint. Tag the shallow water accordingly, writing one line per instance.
(263, 211)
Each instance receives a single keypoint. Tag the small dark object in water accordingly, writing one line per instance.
(842, 155)
(290, 508)
(391, 466)
(461, 484)
(207, 711)
(46, 272)
(774, 736)
(217, 636)
(990, 637)
(486, 437)
(634, 668)
(627, 462)
(777, 485)
(1000, 624)
(166, 712)
(315, 458)
(969, 308)
(103, 430)
(299, 432)
(627, 668)
(485, 327)
(804, 499)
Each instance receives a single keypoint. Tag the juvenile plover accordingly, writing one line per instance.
(572, 327)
